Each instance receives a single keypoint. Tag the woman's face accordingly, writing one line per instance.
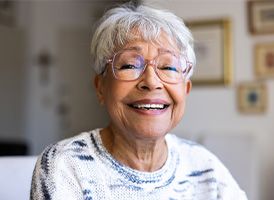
(127, 102)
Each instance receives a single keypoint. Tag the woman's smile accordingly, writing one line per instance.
(149, 106)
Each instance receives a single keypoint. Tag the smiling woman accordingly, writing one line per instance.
(129, 102)
(144, 60)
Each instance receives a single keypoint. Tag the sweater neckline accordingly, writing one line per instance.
(158, 178)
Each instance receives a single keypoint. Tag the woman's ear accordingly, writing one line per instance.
(188, 86)
(99, 87)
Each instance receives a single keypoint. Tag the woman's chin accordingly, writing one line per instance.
(150, 132)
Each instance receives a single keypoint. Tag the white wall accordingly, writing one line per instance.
(214, 109)
(12, 50)
(42, 22)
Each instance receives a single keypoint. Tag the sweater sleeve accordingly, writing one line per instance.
(53, 178)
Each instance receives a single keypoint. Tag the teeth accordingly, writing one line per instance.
(149, 106)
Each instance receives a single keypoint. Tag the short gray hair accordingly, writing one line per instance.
(116, 29)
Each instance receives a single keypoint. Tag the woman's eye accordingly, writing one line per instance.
(169, 68)
(127, 66)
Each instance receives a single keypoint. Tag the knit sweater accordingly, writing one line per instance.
(80, 168)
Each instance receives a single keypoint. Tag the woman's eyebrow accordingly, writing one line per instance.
(160, 50)
(136, 48)
(164, 50)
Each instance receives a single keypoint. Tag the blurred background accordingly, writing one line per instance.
(47, 89)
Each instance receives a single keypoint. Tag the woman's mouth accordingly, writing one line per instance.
(149, 106)
(146, 106)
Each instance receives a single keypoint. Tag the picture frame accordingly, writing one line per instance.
(261, 17)
(264, 60)
(252, 97)
(212, 46)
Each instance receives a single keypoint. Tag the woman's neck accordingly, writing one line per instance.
(140, 154)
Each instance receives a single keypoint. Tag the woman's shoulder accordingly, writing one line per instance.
(63, 163)
(77, 142)
(79, 146)
(199, 163)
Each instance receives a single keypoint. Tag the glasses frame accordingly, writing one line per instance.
(151, 62)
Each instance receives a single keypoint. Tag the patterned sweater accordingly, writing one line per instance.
(80, 168)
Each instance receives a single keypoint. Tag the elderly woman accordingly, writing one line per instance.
(143, 58)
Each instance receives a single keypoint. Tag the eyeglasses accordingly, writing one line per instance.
(129, 65)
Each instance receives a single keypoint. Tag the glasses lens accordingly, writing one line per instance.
(170, 68)
(128, 65)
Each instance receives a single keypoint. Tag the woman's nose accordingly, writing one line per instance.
(149, 79)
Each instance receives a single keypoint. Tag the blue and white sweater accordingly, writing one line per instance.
(80, 168)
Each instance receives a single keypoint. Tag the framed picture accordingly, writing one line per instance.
(264, 60)
(252, 97)
(261, 16)
(212, 45)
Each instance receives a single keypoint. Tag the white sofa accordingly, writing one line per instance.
(15, 177)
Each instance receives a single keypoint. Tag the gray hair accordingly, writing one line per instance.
(118, 27)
